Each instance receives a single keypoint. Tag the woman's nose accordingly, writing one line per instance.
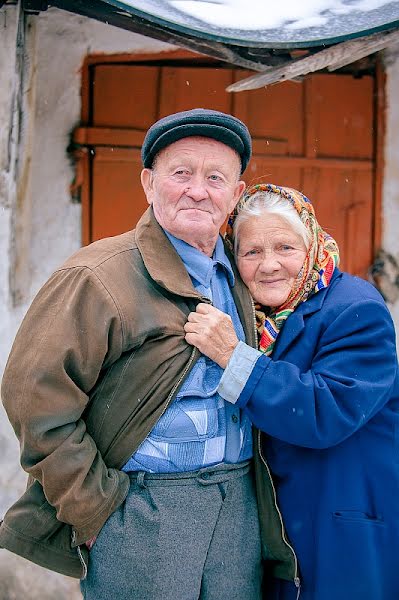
(269, 262)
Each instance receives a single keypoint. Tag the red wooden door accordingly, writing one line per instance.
(315, 135)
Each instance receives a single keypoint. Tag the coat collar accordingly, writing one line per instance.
(296, 321)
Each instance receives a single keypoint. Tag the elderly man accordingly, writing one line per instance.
(130, 450)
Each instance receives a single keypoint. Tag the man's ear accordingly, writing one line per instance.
(240, 187)
(147, 183)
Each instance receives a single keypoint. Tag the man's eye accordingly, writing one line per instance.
(215, 177)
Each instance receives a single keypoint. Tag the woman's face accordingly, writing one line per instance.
(269, 258)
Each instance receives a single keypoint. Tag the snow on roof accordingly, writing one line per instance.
(258, 14)
(281, 23)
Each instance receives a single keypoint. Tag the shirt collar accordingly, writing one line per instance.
(199, 265)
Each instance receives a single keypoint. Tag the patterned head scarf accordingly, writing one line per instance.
(315, 274)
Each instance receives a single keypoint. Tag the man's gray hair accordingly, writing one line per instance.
(268, 203)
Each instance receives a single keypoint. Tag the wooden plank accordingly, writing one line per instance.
(108, 136)
(332, 58)
(379, 128)
(118, 199)
(275, 113)
(114, 109)
(184, 88)
(116, 152)
(339, 116)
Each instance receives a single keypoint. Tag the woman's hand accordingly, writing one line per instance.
(212, 332)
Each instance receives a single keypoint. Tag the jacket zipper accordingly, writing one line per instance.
(82, 560)
(297, 580)
(184, 373)
(166, 405)
(179, 381)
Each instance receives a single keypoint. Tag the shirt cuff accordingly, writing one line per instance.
(237, 372)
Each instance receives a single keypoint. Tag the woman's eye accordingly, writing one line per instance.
(252, 252)
(285, 247)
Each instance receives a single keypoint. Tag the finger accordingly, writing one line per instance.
(197, 317)
(191, 327)
(204, 309)
(191, 339)
(210, 311)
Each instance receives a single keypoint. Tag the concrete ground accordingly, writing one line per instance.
(22, 580)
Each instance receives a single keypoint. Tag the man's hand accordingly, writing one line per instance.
(212, 332)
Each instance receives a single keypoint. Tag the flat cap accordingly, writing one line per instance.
(202, 122)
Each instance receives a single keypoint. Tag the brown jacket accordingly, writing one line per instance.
(98, 358)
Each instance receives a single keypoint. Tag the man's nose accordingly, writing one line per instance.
(197, 189)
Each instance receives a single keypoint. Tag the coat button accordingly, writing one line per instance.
(234, 418)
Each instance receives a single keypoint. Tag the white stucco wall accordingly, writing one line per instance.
(40, 226)
(390, 195)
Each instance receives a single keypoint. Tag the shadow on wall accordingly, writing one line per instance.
(384, 275)
(22, 580)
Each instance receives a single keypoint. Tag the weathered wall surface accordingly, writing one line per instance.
(39, 226)
(390, 196)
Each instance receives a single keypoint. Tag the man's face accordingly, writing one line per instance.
(193, 186)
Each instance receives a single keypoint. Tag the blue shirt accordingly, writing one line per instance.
(199, 428)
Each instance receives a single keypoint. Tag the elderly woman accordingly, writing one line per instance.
(323, 389)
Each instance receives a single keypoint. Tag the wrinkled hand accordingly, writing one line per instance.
(212, 332)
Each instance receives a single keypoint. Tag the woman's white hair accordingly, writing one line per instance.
(269, 203)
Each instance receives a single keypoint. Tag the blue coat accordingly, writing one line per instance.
(328, 402)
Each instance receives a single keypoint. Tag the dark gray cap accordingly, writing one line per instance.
(202, 122)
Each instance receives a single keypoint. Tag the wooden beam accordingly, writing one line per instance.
(331, 58)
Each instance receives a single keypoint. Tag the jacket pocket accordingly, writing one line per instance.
(357, 516)
(354, 555)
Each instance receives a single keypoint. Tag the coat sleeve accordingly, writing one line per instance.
(352, 376)
(71, 331)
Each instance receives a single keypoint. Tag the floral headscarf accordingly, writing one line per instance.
(315, 274)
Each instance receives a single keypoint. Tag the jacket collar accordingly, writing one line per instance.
(167, 269)
(296, 321)
(200, 266)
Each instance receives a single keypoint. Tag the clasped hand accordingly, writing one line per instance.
(212, 332)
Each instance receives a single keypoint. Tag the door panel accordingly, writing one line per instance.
(125, 96)
(274, 114)
(186, 88)
(116, 205)
(315, 135)
(342, 116)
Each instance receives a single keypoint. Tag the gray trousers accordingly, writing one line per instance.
(181, 536)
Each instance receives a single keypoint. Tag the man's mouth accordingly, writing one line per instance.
(195, 208)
